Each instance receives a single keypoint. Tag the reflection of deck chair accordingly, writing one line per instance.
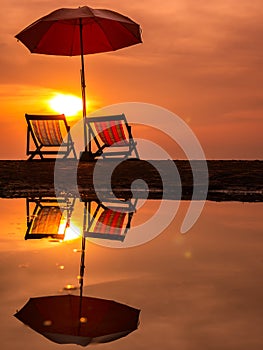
(50, 135)
(108, 222)
(112, 132)
(49, 218)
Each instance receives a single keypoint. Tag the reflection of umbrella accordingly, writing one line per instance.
(81, 320)
(80, 31)
(60, 319)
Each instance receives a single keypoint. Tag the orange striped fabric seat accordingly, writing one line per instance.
(49, 137)
(48, 132)
(47, 221)
(110, 136)
(110, 222)
(111, 132)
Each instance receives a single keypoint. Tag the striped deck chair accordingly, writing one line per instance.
(107, 222)
(49, 218)
(111, 133)
(50, 137)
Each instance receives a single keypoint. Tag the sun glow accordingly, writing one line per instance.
(69, 105)
(72, 233)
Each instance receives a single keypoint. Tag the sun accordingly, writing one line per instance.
(69, 105)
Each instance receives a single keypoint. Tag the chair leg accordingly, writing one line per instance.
(35, 153)
(74, 152)
(133, 148)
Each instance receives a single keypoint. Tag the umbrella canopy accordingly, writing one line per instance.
(71, 319)
(83, 30)
(80, 31)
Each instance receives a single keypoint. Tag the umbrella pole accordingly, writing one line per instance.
(83, 85)
(87, 154)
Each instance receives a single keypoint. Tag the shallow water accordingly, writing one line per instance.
(200, 290)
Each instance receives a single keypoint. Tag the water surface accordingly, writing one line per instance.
(202, 290)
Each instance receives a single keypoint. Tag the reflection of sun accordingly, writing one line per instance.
(69, 105)
(72, 232)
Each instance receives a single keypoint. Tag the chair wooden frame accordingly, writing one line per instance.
(34, 214)
(50, 136)
(119, 132)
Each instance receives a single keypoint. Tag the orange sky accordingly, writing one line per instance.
(199, 59)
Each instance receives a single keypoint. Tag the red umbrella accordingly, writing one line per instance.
(80, 31)
(71, 319)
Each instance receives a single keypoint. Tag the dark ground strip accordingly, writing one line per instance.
(229, 180)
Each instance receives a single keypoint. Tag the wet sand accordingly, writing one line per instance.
(229, 180)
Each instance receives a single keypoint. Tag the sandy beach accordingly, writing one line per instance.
(229, 180)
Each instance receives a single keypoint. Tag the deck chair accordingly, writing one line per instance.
(49, 136)
(110, 136)
(49, 217)
(107, 221)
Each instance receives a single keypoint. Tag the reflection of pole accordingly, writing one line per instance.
(83, 84)
(82, 266)
(82, 259)
(82, 263)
